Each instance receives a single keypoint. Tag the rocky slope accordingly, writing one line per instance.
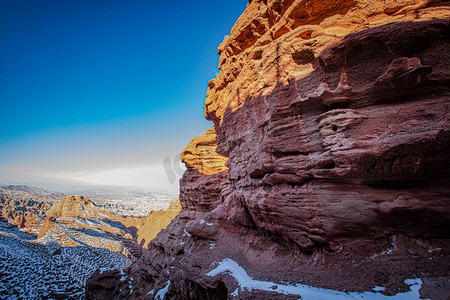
(327, 164)
(42, 269)
(143, 213)
(22, 205)
(77, 215)
(155, 221)
(77, 221)
(59, 244)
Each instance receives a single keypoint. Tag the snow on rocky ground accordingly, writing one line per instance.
(74, 243)
(63, 236)
(245, 282)
(41, 269)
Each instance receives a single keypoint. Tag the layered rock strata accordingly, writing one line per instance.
(24, 206)
(332, 122)
(80, 215)
(155, 221)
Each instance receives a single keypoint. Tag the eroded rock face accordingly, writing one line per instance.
(355, 148)
(81, 214)
(24, 206)
(334, 117)
(202, 185)
(155, 221)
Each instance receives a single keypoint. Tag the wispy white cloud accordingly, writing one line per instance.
(147, 176)
(141, 176)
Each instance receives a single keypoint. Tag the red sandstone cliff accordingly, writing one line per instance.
(332, 122)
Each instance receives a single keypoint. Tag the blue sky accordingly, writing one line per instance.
(91, 87)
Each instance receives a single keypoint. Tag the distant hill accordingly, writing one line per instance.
(27, 189)
(21, 204)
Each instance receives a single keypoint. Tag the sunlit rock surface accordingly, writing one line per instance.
(155, 221)
(22, 205)
(334, 117)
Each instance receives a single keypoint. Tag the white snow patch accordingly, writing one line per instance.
(162, 292)
(378, 288)
(389, 250)
(235, 293)
(431, 250)
(204, 222)
(186, 233)
(245, 282)
(102, 270)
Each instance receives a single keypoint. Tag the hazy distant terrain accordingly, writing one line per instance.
(130, 203)
(22, 198)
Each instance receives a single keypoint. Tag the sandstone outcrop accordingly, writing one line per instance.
(204, 178)
(77, 221)
(80, 213)
(72, 207)
(156, 221)
(24, 206)
(330, 161)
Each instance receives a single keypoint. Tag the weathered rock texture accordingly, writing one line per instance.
(24, 206)
(155, 221)
(77, 221)
(334, 116)
(78, 215)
